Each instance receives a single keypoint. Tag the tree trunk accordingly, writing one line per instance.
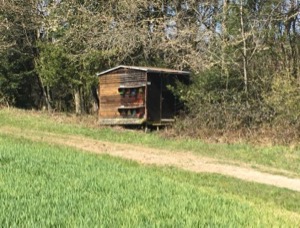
(244, 50)
(224, 70)
(82, 100)
(77, 100)
(46, 94)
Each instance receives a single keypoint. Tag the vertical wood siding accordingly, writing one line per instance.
(109, 85)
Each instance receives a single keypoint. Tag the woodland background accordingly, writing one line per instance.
(243, 55)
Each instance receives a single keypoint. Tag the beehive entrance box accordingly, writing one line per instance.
(131, 95)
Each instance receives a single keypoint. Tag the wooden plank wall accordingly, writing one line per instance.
(133, 78)
(109, 97)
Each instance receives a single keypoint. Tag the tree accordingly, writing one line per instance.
(17, 50)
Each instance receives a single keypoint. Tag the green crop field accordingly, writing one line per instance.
(43, 185)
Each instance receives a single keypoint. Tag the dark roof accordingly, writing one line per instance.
(146, 69)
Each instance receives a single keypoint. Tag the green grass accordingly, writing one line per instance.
(45, 185)
(278, 157)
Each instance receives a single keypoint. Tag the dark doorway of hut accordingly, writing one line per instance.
(162, 104)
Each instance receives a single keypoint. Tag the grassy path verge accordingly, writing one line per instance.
(186, 161)
(279, 160)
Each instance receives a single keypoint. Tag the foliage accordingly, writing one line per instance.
(57, 73)
(233, 90)
(285, 99)
(18, 79)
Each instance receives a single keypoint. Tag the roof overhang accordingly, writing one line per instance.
(146, 69)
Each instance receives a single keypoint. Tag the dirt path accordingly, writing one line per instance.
(149, 156)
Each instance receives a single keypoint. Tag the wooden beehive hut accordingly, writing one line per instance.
(130, 95)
